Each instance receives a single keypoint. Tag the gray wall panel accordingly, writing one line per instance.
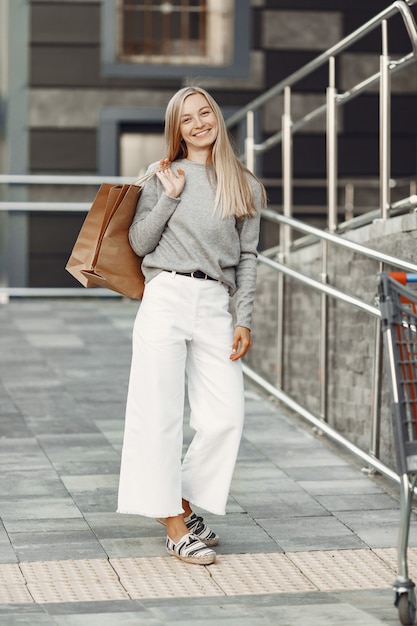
(54, 22)
(63, 151)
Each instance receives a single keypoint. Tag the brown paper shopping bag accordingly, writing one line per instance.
(102, 255)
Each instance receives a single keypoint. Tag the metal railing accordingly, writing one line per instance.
(25, 206)
(248, 118)
(348, 189)
(328, 291)
(246, 115)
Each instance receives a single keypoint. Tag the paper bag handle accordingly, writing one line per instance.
(144, 179)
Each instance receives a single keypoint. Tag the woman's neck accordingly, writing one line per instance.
(197, 156)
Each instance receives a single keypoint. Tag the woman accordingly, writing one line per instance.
(197, 229)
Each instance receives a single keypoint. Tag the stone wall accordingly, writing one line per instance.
(351, 331)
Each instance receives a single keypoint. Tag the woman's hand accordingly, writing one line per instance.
(241, 342)
(172, 182)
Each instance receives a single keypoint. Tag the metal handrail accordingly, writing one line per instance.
(319, 286)
(61, 179)
(275, 391)
(84, 180)
(317, 423)
(312, 66)
(28, 206)
(340, 241)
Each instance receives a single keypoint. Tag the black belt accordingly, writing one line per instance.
(197, 274)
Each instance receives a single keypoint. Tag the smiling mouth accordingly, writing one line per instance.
(202, 132)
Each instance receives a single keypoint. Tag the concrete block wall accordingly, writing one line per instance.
(351, 332)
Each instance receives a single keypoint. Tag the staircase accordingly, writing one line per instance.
(317, 326)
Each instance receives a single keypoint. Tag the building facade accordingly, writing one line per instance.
(84, 85)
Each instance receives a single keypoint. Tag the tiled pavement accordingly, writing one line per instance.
(309, 538)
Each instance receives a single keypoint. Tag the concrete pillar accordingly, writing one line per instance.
(14, 41)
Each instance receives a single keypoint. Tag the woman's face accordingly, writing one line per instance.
(198, 124)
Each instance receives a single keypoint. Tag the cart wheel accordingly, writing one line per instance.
(406, 610)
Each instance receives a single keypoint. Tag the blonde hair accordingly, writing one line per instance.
(234, 194)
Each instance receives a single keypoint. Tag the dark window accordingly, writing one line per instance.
(180, 32)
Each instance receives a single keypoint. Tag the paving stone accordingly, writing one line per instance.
(58, 341)
(334, 614)
(313, 473)
(311, 533)
(140, 546)
(112, 525)
(283, 505)
(31, 618)
(103, 501)
(249, 475)
(342, 488)
(111, 619)
(52, 425)
(349, 502)
(38, 507)
(40, 482)
(54, 546)
(377, 528)
(49, 525)
(99, 608)
(13, 425)
(7, 553)
(91, 483)
(80, 466)
(193, 614)
(302, 456)
(237, 531)
(22, 452)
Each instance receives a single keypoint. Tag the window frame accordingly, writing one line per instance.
(237, 68)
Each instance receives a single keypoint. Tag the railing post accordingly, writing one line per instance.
(250, 141)
(16, 137)
(376, 390)
(349, 201)
(285, 231)
(385, 201)
(331, 143)
(331, 137)
(324, 335)
(287, 166)
(385, 125)
(4, 279)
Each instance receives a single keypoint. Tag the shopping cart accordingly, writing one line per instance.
(398, 306)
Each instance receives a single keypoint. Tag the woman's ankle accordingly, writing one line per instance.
(187, 509)
(176, 527)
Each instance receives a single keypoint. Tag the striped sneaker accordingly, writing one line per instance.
(191, 550)
(198, 527)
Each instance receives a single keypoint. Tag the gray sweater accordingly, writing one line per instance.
(182, 234)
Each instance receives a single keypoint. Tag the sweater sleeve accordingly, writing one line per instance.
(152, 214)
(247, 268)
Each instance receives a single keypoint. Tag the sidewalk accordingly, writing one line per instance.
(309, 539)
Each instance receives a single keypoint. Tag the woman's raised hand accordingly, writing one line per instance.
(172, 182)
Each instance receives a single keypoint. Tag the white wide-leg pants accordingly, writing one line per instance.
(183, 329)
